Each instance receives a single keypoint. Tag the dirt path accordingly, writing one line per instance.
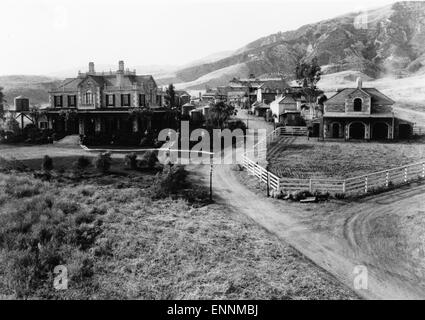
(339, 256)
(336, 256)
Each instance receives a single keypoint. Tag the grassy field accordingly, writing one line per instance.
(295, 157)
(118, 241)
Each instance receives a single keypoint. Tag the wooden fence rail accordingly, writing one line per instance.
(351, 186)
(293, 131)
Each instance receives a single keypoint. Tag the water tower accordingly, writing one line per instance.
(21, 109)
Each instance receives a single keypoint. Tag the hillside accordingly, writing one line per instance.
(386, 41)
(33, 87)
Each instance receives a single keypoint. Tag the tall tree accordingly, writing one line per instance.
(219, 114)
(307, 75)
(171, 96)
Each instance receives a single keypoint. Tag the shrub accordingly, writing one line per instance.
(150, 159)
(301, 195)
(321, 196)
(340, 196)
(47, 163)
(237, 167)
(82, 163)
(103, 162)
(130, 161)
(170, 181)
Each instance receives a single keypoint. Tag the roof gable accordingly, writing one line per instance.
(348, 93)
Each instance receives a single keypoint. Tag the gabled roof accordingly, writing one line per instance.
(376, 96)
(109, 80)
(285, 99)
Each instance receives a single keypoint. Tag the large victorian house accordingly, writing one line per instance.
(361, 113)
(108, 105)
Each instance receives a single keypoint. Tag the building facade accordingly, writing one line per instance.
(359, 113)
(108, 104)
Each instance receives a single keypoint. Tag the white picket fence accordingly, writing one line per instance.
(293, 131)
(351, 186)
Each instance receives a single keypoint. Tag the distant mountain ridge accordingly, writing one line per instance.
(379, 42)
(387, 41)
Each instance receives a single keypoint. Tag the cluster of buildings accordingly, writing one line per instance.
(355, 113)
(122, 103)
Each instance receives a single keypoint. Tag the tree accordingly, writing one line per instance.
(219, 114)
(307, 76)
(13, 126)
(170, 96)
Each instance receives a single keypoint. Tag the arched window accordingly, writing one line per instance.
(88, 97)
(357, 104)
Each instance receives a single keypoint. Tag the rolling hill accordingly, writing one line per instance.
(33, 87)
(388, 41)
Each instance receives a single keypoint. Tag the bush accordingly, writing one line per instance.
(130, 161)
(103, 162)
(170, 182)
(82, 163)
(237, 167)
(150, 159)
(301, 195)
(340, 196)
(47, 163)
(321, 196)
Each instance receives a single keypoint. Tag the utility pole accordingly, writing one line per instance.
(211, 173)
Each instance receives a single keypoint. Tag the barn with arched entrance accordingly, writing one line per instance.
(361, 114)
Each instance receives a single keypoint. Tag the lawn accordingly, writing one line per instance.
(118, 241)
(296, 157)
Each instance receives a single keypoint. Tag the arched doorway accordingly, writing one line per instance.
(380, 131)
(357, 130)
(335, 130)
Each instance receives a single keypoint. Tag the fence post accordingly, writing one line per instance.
(387, 179)
(423, 170)
(405, 174)
(343, 187)
(310, 187)
(365, 184)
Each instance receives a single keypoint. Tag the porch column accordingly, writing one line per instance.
(367, 131)
(135, 125)
(50, 122)
(97, 125)
(81, 126)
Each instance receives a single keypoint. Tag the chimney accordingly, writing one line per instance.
(121, 66)
(359, 83)
(91, 67)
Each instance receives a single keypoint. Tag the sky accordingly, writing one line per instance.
(47, 36)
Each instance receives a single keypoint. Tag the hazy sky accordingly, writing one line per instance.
(45, 36)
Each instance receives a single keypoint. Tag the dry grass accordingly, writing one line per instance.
(160, 249)
(299, 158)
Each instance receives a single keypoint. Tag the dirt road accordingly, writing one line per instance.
(337, 255)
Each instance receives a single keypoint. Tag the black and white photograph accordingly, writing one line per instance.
(212, 155)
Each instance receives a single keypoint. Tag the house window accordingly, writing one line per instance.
(357, 104)
(72, 101)
(142, 100)
(110, 100)
(58, 101)
(44, 125)
(125, 100)
(88, 97)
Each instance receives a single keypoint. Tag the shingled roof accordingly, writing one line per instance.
(346, 93)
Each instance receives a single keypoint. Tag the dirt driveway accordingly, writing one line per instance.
(346, 242)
